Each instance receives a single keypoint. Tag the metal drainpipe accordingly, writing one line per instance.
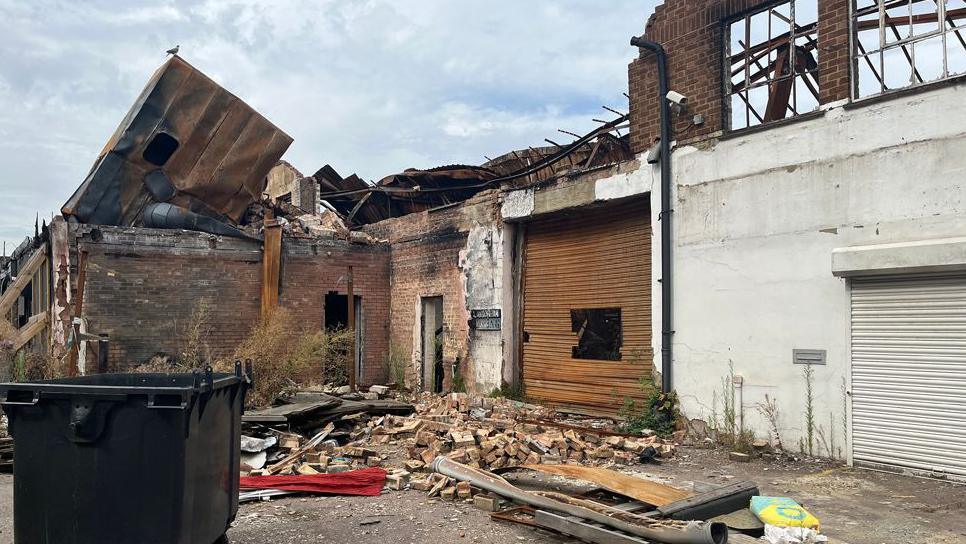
(667, 331)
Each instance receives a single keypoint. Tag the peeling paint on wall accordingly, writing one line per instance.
(481, 263)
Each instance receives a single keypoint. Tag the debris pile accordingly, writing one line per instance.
(497, 433)
(351, 430)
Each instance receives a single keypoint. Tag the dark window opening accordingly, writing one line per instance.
(772, 64)
(160, 149)
(336, 311)
(599, 333)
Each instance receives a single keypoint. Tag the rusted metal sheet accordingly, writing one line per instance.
(186, 141)
(596, 259)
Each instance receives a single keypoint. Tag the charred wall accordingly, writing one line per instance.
(455, 253)
(143, 285)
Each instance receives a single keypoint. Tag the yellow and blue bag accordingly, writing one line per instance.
(783, 512)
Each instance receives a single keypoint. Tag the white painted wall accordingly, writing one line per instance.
(756, 220)
(482, 265)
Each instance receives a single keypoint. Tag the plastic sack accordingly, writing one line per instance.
(782, 512)
(792, 535)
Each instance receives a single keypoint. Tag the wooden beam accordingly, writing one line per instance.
(24, 277)
(72, 366)
(271, 264)
(647, 491)
(352, 329)
(34, 326)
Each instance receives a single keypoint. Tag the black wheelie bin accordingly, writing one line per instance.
(126, 458)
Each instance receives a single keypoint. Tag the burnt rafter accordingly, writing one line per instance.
(361, 202)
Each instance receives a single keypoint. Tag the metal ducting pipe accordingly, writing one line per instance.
(671, 532)
(168, 216)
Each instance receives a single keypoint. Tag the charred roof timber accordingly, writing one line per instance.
(418, 190)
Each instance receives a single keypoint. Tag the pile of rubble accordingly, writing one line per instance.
(482, 432)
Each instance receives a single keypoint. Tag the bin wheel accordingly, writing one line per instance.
(223, 539)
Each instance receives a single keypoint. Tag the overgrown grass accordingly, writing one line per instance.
(397, 364)
(286, 356)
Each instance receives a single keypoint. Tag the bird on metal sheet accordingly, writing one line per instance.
(173, 50)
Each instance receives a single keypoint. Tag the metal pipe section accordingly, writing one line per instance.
(667, 330)
(671, 532)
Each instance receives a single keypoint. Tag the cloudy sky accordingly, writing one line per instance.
(372, 87)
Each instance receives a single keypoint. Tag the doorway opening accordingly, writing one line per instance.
(336, 317)
(432, 342)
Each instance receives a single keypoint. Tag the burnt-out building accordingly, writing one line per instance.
(795, 243)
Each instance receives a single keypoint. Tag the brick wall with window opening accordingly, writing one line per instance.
(695, 34)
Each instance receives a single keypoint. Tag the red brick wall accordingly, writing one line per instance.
(310, 269)
(143, 286)
(691, 32)
(425, 262)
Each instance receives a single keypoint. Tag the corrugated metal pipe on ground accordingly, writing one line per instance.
(668, 531)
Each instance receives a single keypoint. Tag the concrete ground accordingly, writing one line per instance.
(855, 507)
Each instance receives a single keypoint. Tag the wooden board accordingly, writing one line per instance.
(640, 489)
(599, 258)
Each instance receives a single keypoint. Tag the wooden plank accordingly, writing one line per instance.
(579, 528)
(297, 454)
(34, 326)
(640, 489)
(271, 264)
(24, 277)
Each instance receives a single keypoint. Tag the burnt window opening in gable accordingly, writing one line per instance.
(906, 43)
(160, 149)
(599, 333)
(771, 63)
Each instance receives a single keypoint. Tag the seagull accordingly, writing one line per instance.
(173, 50)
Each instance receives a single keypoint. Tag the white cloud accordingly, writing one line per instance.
(373, 86)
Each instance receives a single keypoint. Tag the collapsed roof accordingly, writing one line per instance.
(360, 202)
(188, 151)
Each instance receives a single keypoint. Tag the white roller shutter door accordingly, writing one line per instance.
(909, 373)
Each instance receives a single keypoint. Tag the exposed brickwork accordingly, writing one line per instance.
(311, 269)
(426, 250)
(143, 286)
(692, 33)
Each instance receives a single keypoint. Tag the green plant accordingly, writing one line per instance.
(808, 373)
(659, 412)
(458, 383)
(743, 441)
(515, 392)
(396, 363)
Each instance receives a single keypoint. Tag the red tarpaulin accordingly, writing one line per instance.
(368, 481)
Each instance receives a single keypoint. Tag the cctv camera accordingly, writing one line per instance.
(677, 98)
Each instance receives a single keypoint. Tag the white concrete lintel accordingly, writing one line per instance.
(937, 255)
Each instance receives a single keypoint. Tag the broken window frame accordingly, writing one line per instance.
(747, 62)
(903, 41)
(592, 346)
